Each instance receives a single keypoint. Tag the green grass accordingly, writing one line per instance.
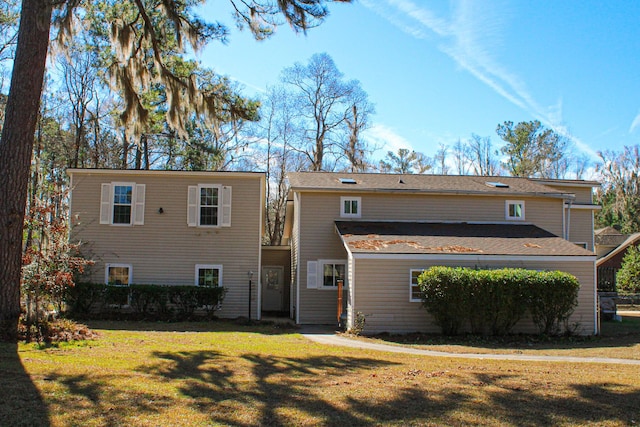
(223, 373)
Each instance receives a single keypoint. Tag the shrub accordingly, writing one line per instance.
(358, 324)
(553, 296)
(445, 294)
(153, 302)
(505, 301)
(83, 296)
(150, 299)
(116, 296)
(494, 301)
(628, 277)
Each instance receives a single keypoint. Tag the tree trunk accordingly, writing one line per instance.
(16, 145)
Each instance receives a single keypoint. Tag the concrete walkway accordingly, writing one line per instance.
(323, 335)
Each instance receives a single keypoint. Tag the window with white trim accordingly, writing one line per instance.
(118, 274)
(208, 275)
(350, 207)
(415, 295)
(122, 203)
(325, 273)
(332, 272)
(209, 205)
(514, 210)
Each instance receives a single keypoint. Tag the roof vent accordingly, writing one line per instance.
(400, 181)
(348, 181)
(497, 184)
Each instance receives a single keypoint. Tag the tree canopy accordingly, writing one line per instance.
(146, 39)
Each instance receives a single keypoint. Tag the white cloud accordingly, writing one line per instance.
(635, 124)
(385, 139)
(469, 37)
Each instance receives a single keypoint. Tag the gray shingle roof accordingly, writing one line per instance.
(454, 238)
(375, 182)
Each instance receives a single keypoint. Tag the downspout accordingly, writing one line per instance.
(596, 312)
(568, 223)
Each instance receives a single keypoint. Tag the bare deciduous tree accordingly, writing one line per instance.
(482, 156)
(327, 105)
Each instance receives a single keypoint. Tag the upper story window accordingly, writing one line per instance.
(122, 203)
(209, 205)
(350, 207)
(514, 210)
(208, 275)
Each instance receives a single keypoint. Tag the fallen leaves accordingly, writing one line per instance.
(374, 244)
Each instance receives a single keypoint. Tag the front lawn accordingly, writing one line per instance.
(223, 373)
(620, 340)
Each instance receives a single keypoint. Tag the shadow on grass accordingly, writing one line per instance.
(595, 404)
(21, 403)
(268, 390)
(99, 400)
(275, 391)
(271, 391)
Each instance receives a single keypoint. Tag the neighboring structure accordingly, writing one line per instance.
(377, 232)
(606, 240)
(173, 228)
(609, 264)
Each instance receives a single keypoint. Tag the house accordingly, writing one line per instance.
(174, 228)
(606, 240)
(609, 264)
(375, 233)
(372, 233)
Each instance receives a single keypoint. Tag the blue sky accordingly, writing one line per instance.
(439, 71)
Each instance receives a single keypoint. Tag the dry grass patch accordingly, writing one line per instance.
(619, 340)
(228, 374)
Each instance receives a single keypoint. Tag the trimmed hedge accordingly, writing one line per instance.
(494, 301)
(152, 302)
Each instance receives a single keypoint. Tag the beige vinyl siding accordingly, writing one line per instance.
(583, 194)
(317, 240)
(546, 213)
(381, 292)
(295, 250)
(165, 250)
(581, 227)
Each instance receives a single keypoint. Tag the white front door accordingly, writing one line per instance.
(272, 288)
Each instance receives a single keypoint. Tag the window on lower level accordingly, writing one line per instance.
(326, 273)
(208, 275)
(415, 295)
(118, 274)
(332, 272)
